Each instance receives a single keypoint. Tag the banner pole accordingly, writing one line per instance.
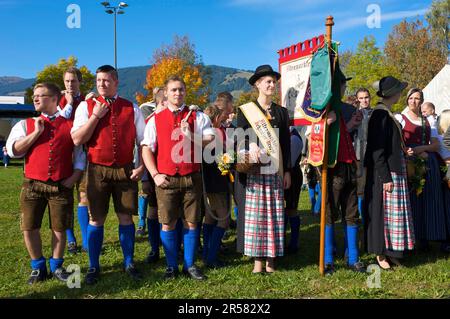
(329, 25)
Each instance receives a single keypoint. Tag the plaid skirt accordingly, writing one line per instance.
(398, 223)
(264, 216)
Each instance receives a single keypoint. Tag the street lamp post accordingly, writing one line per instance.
(115, 10)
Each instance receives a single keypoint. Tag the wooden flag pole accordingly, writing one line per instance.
(329, 24)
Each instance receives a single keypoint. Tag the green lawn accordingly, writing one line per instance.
(423, 276)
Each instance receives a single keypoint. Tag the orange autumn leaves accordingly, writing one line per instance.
(196, 92)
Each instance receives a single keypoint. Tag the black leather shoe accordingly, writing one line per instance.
(171, 273)
(140, 232)
(132, 271)
(329, 269)
(92, 276)
(72, 248)
(358, 267)
(37, 275)
(194, 273)
(152, 257)
(61, 274)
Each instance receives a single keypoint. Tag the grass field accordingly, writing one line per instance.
(423, 276)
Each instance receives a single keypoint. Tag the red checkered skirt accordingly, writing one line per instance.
(264, 216)
(398, 222)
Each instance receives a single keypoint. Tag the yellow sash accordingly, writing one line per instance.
(265, 133)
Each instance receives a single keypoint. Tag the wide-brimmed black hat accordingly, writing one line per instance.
(389, 86)
(261, 71)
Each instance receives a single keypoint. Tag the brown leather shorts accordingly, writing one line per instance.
(180, 199)
(104, 181)
(35, 196)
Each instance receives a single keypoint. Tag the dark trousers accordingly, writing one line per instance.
(342, 196)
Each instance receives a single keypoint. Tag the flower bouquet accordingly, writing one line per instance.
(417, 169)
(225, 163)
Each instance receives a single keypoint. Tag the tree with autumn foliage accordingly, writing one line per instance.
(177, 59)
(54, 73)
(410, 48)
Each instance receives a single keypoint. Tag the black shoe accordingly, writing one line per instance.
(132, 271)
(358, 267)
(171, 273)
(72, 248)
(92, 276)
(140, 232)
(152, 257)
(194, 273)
(61, 274)
(216, 264)
(329, 269)
(37, 275)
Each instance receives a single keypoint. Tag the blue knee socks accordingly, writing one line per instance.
(95, 241)
(216, 240)
(55, 263)
(153, 234)
(207, 232)
(329, 244)
(142, 210)
(318, 203)
(352, 243)
(190, 246)
(169, 242)
(39, 263)
(179, 228)
(83, 221)
(126, 238)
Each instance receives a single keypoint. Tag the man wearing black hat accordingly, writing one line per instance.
(342, 187)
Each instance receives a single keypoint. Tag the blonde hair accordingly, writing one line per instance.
(444, 121)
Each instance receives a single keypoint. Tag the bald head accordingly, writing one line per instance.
(428, 109)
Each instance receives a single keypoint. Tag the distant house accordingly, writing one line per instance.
(11, 110)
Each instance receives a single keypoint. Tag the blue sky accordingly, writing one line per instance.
(233, 33)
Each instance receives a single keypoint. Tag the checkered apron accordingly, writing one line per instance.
(264, 216)
(398, 223)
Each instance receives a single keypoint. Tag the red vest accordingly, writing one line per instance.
(76, 101)
(50, 157)
(346, 151)
(166, 122)
(413, 134)
(114, 137)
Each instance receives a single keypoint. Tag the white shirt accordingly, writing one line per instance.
(82, 116)
(202, 128)
(19, 131)
(67, 111)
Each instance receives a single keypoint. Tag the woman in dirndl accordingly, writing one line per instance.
(427, 201)
(260, 197)
(389, 229)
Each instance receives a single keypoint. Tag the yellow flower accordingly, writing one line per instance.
(226, 158)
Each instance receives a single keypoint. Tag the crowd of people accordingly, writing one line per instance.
(104, 146)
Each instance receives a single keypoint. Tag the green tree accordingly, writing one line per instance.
(54, 73)
(367, 65)
(438, 21)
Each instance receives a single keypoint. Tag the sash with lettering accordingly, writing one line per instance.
(265, 133)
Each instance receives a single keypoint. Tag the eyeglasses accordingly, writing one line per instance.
(40, 95)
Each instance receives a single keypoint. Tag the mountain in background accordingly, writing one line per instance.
(132, 80)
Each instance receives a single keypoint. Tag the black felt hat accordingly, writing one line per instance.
(261, 71)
